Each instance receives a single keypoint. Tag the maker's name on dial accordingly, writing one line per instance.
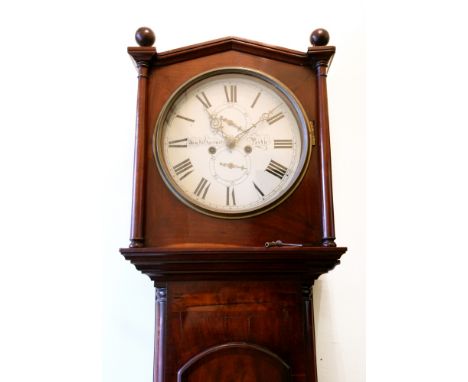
(254, 140)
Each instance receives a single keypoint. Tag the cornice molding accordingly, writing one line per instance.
(311, 57)
(171, 264)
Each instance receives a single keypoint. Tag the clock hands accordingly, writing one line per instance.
(231, 123)
(244, 132)
(263, 117)
(218, 122)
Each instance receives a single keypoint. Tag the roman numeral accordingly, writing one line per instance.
(255, 100)
(283, 144)
(275, 118)
(183, 168)
(185, 118)
(204, 100)
(258, 189)
(230, 196)
(276, 169)
(231, 94)
(203, 186)
(178, 143)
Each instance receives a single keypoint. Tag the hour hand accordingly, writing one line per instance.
(231, 123)
(216, 124)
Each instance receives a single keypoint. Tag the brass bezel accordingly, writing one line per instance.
(299, 113)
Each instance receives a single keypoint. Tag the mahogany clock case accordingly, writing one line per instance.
(168, 222)
(228, 308)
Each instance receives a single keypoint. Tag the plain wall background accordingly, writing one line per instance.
(74, 310)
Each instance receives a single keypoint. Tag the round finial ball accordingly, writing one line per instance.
(145, 36)
(319, 37)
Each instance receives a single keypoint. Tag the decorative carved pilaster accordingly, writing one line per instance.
(160, 335)
(309, 331)
(306, 292)
(161, 295)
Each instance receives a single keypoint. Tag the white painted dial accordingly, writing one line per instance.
(232, 143)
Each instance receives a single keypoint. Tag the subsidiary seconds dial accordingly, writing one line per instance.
(232, 143)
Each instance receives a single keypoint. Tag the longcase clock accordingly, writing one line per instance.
(232, 215)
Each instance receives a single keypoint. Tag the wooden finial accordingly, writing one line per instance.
(319, 37)
(145, 36)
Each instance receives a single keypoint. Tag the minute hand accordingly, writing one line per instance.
(263, 117)
(242, 133)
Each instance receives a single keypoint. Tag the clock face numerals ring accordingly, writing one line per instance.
(232, 143)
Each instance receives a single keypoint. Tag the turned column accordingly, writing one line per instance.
(142, 57)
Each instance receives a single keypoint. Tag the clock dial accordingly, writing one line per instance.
(232, 143)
